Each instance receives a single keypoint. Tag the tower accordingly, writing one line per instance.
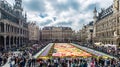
(25, 16)
(95, 14)
(95, 20)
(18, 7)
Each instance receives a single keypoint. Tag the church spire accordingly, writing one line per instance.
(95, 10)
(25, 16)
(95, 13)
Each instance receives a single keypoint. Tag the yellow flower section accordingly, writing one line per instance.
(64, 50)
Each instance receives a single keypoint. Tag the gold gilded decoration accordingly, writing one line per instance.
(116, 5)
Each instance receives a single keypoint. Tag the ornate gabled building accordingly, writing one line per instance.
(86, 33)
(107, 24)
(13, 25)
(57, 33)
(34, 33)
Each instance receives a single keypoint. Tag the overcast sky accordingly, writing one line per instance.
(72, 13)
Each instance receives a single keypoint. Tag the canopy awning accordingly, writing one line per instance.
(99, 44)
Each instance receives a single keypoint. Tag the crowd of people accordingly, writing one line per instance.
(25, 59)
(3, 58)
(36, 47)
(21, 58)
(17, 59)
(108, 50)
(79, 62)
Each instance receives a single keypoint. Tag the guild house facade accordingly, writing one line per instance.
(34, 33)
(57, 33)
(107, 24)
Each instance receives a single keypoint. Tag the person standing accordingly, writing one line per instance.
(118, 62)
(0, 61)
(33, 62)
(41, 63)
(92, 64)
(10, 62)
(29, 62)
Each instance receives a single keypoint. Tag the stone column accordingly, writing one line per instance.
(0, 14)
(4, 36)
(5, 42)
(4, 27)
(9, 28)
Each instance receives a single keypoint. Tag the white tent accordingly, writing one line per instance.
(99, 44)
(111, 45)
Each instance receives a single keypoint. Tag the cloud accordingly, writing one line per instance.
(46, 22)
(64, 6)
(72, 13)
(65, 23)
(43, 15)
(35, 5)
(92, 6)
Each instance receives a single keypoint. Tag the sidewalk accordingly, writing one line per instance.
(40, 52)
(97, 53)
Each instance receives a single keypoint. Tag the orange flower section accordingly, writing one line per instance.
(64, 50)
